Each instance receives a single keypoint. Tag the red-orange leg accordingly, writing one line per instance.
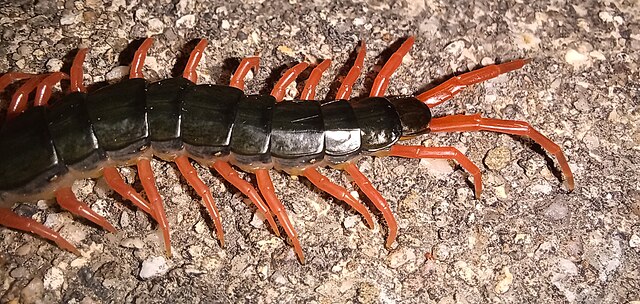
(45, 88)
(381, 83)
(442, 153)
(117, 183)
(287, 78)
(309, 91)
(68, 201)
(455, 85)
(460, 123)
(19, 101)
(190, 174)
(138, 59)
(377, 200)
(11, 77)
(76, 73)
(149, 184)
(12, 220)
(248, 63)
(194, 59)
(324, 184)
(230, 175)
(347, 83)
(266, 187)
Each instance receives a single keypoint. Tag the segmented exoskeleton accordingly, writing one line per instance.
(45, 148)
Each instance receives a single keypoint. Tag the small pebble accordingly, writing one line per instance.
(153, 267)
(351, 221)
(400, 257)
(258, 220)
(556, 211)
(634, 242)
(506, 281)
(53, 279)
(498, 158)
(33, 292)
(132, 243)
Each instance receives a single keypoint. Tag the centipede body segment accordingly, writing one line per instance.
(91, 134)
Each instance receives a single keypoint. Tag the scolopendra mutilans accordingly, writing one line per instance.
(87, 135)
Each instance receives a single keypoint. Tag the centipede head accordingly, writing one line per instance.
(414, 115)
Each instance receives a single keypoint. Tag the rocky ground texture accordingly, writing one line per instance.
(527, 239)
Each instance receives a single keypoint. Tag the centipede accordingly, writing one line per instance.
(46, 145)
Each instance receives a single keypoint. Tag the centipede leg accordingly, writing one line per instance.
(11, 77)
(76, 74)
(20, 97)
(324, 184)
(347, 83)
(287, 78)
(455, 85)
(461, 123)
(442, 153)
(381, 82)
(248, 63)
(45, 88)
(68, 201)
(266, 187)
(149, 184)
(309, 91)
(138, 59)
(190, 174)
(230, 175)
(117, 183)
(194, 58)
(10, 219)
(377, 200)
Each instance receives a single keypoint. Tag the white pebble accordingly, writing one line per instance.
(575, 58)
(153, 267)
(53, 279)
(188, 21)
(132, 243)
(351, 221)
(258, 220)
(225, 25)
(634, 242)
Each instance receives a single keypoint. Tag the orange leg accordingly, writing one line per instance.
(441, 152)
(377, 200)
(337, 191)
(455, 85)
(11, 77)
(347, 83)
(248, 63)
(230, 175)
(149, 184)
(20, 97)
(12, 220)
(194, 59)
(68, 201)
(309, 91)
(381, 82)
(115, 181)
(459, 123)
(138, 59)
(76, 73)
(289, 76)
(266, 187)
(190, 174)
(43, 93)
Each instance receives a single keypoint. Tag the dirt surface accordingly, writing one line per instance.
(526, 240)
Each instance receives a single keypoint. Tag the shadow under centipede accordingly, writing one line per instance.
(228, 66)
(270, 82)
(342, 72)
(183, 57)
(535, 147)
(383, 57)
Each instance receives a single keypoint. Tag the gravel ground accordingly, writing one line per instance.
(526, 240)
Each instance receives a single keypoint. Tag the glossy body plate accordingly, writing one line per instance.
(380, 125)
